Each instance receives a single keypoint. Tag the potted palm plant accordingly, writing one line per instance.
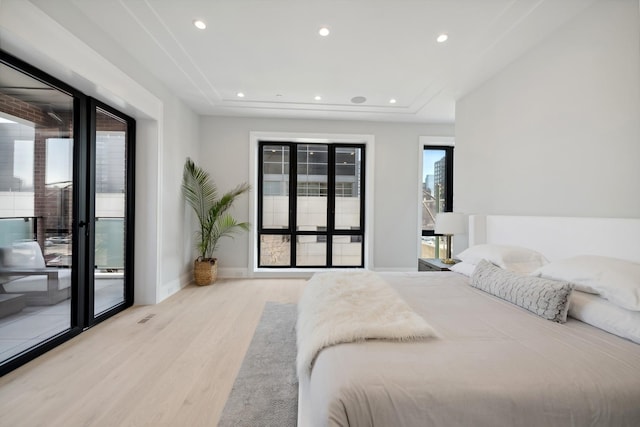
(201, 193)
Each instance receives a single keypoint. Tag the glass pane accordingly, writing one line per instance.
(433, 187)
(275, 188)
(111, 134)
(311, 212)
(311, 251)
(348, 188)
(433, 247)
(36, 196)
(347, 251)
(275, 250)
(433, 199)
(58, 179)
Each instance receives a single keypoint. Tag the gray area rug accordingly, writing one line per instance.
(265, 392)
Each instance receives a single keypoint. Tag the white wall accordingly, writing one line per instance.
(167, 131)
(181, 140)
(557, 132)
(225, 153)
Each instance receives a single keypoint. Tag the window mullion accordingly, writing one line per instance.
(361, 176)
(293, 201)
(331, 201)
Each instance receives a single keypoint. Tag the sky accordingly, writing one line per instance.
(23, 162)
(59, 160)
(428, 160)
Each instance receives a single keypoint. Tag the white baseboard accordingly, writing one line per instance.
(397, 269)
(284, 273)
(174, 286)
(232, 273)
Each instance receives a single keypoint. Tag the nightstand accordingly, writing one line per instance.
(432, 264)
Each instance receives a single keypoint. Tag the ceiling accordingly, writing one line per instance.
(271, 51)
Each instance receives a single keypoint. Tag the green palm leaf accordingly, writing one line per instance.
(201, 193)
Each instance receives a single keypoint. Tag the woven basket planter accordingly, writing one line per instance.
(205, 272)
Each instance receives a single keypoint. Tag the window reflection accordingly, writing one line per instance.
(36, 199)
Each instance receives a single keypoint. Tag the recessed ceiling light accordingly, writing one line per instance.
(358, 99)
(240, 95)
(317, 98)
(392, 101)
(442, 38)
(200, 24)
(324, 31)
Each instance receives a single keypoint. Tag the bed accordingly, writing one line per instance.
(493, 362)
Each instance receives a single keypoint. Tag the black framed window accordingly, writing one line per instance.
(436, 195)
(311, 200)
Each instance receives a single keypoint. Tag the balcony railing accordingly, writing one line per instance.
(15, 229)
(109, 238)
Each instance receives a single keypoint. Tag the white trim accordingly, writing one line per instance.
(30, 34)
(233, 273)
(443, 141)
(254, 138)
(396, 269)
(159, 213)
(275, 273)
(147, 236)
(174, 286)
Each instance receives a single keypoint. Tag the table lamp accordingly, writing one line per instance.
(448, 224)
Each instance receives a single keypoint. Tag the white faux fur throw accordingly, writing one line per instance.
(341, 307)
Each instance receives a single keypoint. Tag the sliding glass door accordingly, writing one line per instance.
(36, 200)
(111, 134)
(66, 211)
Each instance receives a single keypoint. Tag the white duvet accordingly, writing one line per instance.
(494, 364)
(341, 307)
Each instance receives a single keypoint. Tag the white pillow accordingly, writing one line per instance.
(614, 279)
(25, 255)
(465, 268)
(514, 258)
(604, 315)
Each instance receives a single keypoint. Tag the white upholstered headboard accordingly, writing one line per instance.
(560, 237)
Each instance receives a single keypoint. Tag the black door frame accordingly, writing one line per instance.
(83, 212)
(93, 105)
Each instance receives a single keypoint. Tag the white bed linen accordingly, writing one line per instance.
(495, 364)
(352, 306)
(605, 315)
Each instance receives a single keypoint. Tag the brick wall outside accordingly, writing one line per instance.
(48, 208)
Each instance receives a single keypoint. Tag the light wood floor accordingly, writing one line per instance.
(176, 369)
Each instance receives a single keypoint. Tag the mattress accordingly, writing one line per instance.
(495, 364)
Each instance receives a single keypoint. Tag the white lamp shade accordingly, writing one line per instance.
(449, 223)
